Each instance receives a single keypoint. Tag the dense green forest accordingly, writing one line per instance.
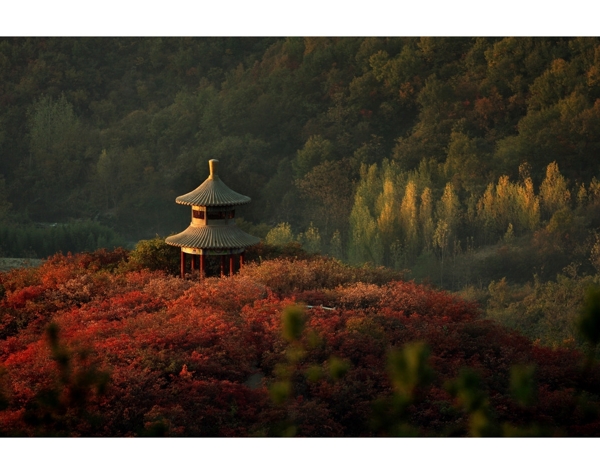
(464, 160)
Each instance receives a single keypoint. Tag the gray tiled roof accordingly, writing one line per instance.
(213, 192)
(229, 236)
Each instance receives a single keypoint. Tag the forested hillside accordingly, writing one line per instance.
(113, 129)
(468, 163)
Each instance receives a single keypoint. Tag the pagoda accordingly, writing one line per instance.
(212, 231)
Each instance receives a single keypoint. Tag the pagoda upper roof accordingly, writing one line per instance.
(213, 192)
(213, 237)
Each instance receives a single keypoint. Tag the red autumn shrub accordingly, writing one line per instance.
(285, 276)
(19, 298)
(201, 358)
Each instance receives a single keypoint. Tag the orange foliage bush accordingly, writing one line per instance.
(191, 358)
(285, 276)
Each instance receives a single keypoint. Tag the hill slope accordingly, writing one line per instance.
(179, 357)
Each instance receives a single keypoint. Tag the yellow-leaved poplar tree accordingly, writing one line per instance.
(408, 218)
(553, 192)
(426, 218)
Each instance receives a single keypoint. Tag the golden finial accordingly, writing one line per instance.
(213, 164)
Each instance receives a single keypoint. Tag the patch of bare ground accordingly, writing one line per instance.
(7, 264)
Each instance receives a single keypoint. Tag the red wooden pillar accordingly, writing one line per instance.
(182, 264)
(193, 263)
(241, 259)
(231, 265)
(222, 265)
(202, 265)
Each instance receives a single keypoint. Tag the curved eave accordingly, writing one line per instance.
(212, 237)
(212, 193)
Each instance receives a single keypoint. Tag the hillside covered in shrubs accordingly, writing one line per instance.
(97, 344)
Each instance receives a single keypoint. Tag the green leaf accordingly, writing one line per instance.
(280, 391)
(314, 373)
(522, 384)
(338, 367)
(293, 323)
(409, 368)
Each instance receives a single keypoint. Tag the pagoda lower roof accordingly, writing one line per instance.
(212, 237)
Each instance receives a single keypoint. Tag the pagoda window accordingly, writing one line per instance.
(198, 214)
(228, 214)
